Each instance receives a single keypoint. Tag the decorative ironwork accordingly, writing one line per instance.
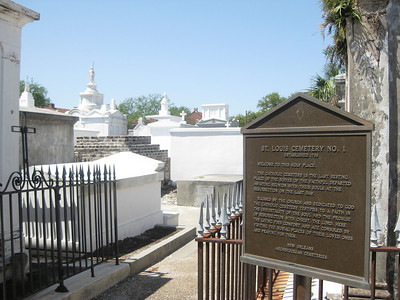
(54, 223)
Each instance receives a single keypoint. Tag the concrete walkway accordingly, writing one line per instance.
(175, 277)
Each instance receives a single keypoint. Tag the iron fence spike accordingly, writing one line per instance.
(64, 174)
(223, 208)
(224, 220)
(375, 227)
(232, 212)
(200, 229)
(374, 219)
(213, 218)
(397, 230)
(218, 210)
(241, 197)
(57, 175)
(228, 209)
(237, 199)
(207, 223)
(105, 172)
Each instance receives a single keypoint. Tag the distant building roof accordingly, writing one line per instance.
(53, 108)
(194, 117)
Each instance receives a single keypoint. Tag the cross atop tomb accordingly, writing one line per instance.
(183, 115)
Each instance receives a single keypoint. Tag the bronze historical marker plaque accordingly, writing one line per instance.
(307, 191)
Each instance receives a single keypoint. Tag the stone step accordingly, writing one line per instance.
(380, 293)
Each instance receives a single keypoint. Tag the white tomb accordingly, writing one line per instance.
(138, 182)
(159, 131)
(26, 98)
(95, 117)
(215, 118)
(215, 111)
(216, 115)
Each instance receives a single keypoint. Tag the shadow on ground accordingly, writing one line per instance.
(136, 287)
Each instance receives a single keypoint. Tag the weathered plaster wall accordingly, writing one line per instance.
(53, 141)
(368, 74)
(12, 18)
(203, 151)
(373, 90)
(393, 16)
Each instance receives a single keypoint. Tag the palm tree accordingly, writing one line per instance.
(323, 87)
(336, 14)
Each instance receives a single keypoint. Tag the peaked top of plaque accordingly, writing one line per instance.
(303, 113)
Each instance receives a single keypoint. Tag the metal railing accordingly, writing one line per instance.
(55, 226)
(220, 244)
(374, 292)
(221, 275)
(220, 261)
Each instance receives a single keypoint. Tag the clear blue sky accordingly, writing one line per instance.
(198, 52)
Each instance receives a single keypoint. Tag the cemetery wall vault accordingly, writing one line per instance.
(12, 18)
(307, 191)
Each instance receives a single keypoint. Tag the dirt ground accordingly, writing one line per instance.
(132, 245)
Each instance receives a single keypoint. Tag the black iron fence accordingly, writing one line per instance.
(221, 275)
(53, 225)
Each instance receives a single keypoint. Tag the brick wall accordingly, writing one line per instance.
(92, 148)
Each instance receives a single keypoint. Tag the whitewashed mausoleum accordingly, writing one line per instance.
(95, 117)
(215, 115)
(159, 130)
(213, 146)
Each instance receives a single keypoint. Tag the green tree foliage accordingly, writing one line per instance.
(335, 14)
(177, 110)
(39, 92)
(248, 117)
(269, 101)
(323, 87)
(141, 106)
(266, 103)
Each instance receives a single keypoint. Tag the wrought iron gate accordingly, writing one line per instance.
(55, 224)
